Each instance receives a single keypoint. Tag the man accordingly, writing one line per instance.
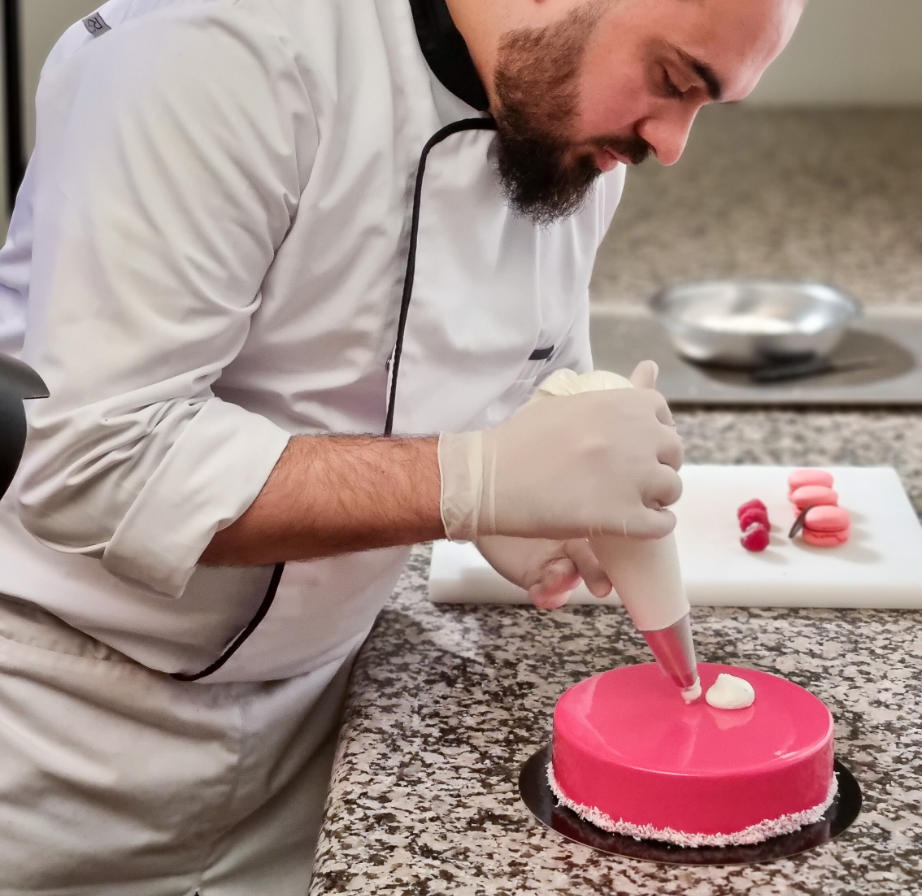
(265, 253)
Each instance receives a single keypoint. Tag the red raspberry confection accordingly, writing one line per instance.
(754, 515)
(755, 538)
(749, 505)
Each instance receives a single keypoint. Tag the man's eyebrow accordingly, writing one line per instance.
(704, 71)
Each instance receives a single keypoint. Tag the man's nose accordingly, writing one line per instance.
(667, 132)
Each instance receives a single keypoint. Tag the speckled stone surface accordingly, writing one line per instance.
(447, 702)
(828, 194)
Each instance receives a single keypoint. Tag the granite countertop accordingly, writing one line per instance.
(447, 702)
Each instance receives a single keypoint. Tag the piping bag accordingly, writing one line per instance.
(645, 572)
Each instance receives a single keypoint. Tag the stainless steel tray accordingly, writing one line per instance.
(622, 337)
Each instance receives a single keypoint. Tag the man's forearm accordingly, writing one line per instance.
(333, 494)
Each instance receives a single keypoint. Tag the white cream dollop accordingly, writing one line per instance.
(730, 692)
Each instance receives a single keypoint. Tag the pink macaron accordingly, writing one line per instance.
(808, 476)
(807, 495)
(826, 526)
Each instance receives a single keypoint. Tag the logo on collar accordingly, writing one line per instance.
(96, 25)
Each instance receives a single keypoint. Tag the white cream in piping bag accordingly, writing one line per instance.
(569, 382)
(645, 572)
(730, 692)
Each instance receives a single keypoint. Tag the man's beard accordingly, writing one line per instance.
(537, 83)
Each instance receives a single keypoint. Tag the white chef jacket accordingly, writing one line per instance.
(223, 233)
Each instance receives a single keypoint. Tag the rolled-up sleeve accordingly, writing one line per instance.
(170, 156)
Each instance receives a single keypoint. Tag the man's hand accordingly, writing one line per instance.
(548, 570)
(333, 494)
(594, 463)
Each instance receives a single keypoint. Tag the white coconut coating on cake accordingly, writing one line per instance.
(757, 833)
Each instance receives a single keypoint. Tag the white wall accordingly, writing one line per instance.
(850, 52)
(866, 52)
(856, 52)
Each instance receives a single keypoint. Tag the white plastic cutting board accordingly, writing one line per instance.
(881, 566)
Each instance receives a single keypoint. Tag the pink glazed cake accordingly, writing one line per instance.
(632, 758)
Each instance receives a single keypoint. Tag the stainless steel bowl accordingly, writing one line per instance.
(750, 323)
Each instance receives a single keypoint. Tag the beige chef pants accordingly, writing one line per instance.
(119, 781)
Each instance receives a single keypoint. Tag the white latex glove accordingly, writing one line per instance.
(548, 570)
(571, 466)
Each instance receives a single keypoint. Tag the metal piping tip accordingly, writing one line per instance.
(674, 650)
